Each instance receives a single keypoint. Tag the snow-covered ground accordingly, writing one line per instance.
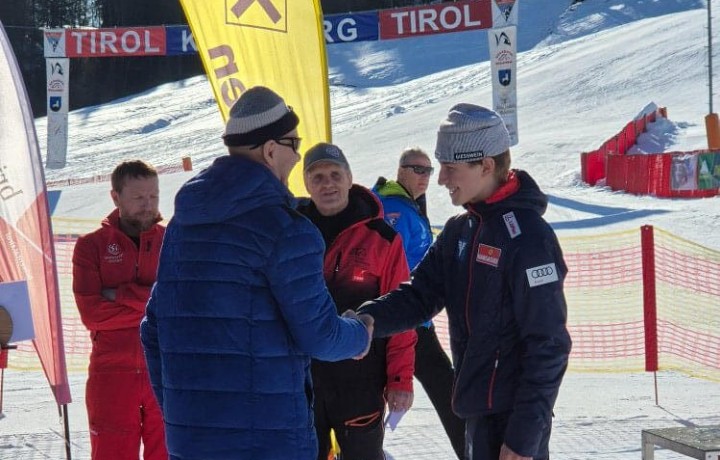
(583, 73)
(598, 417)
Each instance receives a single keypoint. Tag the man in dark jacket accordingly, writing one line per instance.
(498, 270)
(364, 258)
(404, 204)
(240, 305)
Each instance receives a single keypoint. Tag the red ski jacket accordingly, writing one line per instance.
(108, 259)
(365, 261)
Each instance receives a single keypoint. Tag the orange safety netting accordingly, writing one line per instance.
(604, 292)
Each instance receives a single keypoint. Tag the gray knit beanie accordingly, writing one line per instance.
(258, 116)
(471, 133)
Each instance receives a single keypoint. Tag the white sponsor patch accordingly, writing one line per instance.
(544, 274)
(512, 224)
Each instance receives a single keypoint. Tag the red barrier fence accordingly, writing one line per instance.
(693, 174)
(637, 300)
(163, 169)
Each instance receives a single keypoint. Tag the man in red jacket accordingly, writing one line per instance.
(364, 258)
(113, 270)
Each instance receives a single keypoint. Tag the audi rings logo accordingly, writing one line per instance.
(544, 274)
(540, 272)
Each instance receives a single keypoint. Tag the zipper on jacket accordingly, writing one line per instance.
(492, 380)
(471, 262)
(336, 270)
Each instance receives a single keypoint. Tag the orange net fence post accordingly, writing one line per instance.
(647, 238)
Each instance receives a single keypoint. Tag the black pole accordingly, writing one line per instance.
(66, 422)
(710, 68)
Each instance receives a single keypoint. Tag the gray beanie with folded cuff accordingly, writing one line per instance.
(258, 116)
(471, 133)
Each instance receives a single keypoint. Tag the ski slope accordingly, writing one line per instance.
(583, 73)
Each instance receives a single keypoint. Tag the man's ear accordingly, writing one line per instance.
(268, 152)
(114, 196)
(488, 165)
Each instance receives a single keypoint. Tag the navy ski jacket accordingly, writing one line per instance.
(498, 270)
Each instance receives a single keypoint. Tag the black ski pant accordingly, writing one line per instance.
(486, 433)
(356, 415)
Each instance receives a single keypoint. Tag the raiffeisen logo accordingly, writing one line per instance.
(263, 14)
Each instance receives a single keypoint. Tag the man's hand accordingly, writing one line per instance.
(398, 400)
(368, 321)
(507, 454)
(109, 294)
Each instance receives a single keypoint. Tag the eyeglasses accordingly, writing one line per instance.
(420, 170)
(294, 142)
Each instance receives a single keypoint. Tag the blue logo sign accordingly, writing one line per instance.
(505, 77)
(55, 103)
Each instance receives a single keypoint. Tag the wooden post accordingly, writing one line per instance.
(187, 163)
(712, 128)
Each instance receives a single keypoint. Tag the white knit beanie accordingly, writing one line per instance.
(471, 133)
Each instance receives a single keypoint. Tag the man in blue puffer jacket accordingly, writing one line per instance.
(240, 304)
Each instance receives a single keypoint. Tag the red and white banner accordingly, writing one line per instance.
(503, 71)
(27, 251)
(435, 19)
(120, 42)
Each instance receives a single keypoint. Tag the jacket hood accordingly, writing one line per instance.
(233, 185)
(520, 192)
(392, 189)
(384, 187)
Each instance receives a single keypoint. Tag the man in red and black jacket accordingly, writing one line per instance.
(364, 258)
(113, 270)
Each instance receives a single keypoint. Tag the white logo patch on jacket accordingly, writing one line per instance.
(114, 254)
(512, 224)
(543, 274)
(462, 244)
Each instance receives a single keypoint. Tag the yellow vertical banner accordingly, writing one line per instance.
(273, 43)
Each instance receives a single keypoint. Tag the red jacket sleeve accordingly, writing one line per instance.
(96, 312)
(400, 351)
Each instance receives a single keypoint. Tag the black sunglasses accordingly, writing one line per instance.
(420, 170)
(294, 142)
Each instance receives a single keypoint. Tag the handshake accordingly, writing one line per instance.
(368, 321)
